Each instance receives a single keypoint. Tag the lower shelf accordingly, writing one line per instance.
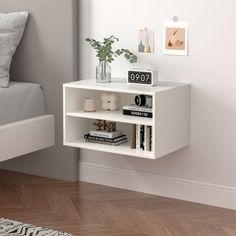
(122, 149)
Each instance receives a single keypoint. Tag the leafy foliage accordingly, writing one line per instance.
(105, 51)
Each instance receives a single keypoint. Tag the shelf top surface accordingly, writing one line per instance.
(120, 85)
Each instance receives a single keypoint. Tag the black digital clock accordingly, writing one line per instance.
(142, 77)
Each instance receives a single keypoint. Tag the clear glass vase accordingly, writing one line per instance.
(103, 72)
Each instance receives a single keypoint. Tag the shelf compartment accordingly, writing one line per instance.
(76, 128)
(122, 149)
(116, 116)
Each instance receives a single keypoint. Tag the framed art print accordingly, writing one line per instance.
(146, 41)
(175, 38)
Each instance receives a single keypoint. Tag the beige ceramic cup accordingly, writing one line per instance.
(89, 104)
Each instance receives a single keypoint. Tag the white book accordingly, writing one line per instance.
(145, 138)
(138, 137)
(105, 134)
(137, 108)
(148, 138)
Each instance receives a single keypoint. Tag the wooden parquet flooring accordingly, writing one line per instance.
(85, 209)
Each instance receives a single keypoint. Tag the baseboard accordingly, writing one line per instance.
(183, 189)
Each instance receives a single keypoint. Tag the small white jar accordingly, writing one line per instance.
(89, 104)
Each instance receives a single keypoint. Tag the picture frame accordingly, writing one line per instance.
(175, 38)
(146, 41)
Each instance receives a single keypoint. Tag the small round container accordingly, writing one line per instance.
(143, 100)
(89, 104)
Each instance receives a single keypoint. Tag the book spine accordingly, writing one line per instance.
(151, 138)
(137, 113)
(102, 135)
(105, 135)
(148, 138)
(136, 108)
(107, 143)
(97, 141)
(145, 138)
(120, 142)
(133, 137)
(138, 137)
(113, 140)
(141, 137)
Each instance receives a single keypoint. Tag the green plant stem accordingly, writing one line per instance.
(104, 50)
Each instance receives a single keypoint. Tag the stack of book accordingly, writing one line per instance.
(141, 111)
(103, 137)
(141, 137)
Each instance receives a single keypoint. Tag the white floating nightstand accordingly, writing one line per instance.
(170, 122)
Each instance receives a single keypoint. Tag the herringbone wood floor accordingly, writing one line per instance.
(94, 210)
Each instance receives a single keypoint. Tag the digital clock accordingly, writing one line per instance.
(143, 77)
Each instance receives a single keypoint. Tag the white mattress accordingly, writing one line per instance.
(20, 101)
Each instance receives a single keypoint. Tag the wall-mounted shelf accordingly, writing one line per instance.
(170, 122)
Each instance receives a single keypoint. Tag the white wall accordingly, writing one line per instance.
(210, 68)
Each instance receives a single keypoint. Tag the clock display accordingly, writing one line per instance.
(140, 77)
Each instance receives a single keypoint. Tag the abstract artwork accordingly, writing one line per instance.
(175, 38)
(146, 41)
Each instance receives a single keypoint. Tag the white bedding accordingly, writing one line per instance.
(20, 101)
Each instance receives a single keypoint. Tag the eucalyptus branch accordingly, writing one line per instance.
(104, 50)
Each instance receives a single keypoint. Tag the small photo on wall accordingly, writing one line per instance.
(175, 38)
(146, 41)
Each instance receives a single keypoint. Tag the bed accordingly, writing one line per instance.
(24, 127)
(47, 55)
(20, 101)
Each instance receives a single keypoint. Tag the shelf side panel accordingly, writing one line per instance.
(172, 121)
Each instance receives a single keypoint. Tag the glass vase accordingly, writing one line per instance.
(103, 72)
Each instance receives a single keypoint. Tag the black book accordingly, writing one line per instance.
(137, 113)
(151, 139)
(107, 143)
(142, 137)
(108, 140)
